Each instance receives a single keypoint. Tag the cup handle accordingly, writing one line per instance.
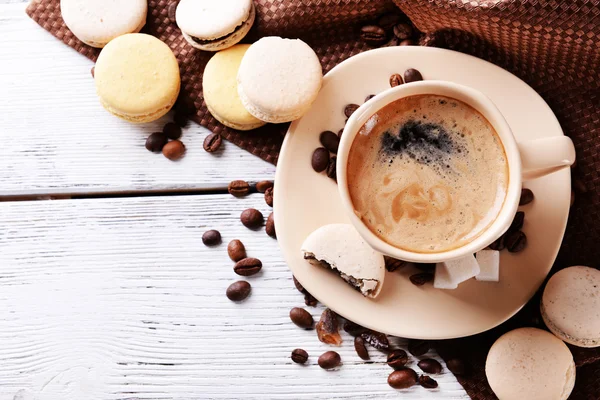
(544, 156)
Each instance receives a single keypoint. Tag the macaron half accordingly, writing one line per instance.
(219, 85)
(214, 25)
(97, 22)
(137, 77)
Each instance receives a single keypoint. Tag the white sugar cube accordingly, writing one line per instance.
(450, 273)
(489, 263)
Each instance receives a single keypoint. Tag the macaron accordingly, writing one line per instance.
(212, 25)
(279, 79)
(570, 306)
(97, 22)
(219, 85)
(532, 364)
(137, 77)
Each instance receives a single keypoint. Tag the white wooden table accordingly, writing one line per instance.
(111, 294)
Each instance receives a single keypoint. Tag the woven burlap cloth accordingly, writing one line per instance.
(554, 45)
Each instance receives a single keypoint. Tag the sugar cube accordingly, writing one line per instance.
(489, 263)
(449, 274)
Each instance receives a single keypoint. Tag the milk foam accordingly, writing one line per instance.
(427, 174)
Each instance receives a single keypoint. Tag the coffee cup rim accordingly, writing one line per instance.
(479, 102)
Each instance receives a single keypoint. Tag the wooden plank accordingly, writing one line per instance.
(119, 298)
(57, 139)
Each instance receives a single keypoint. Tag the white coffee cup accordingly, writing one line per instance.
(526, 160)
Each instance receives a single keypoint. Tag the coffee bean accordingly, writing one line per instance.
(262, 186)
(373, 35)
(526, 197)
(376, 339)
(252, 218)
(579, 186)
(174, 150)
(340, 133)
(421, 278)
(354, 329)
(270, 227)
(269, 196)
(212, 143)
(238, 291)
(329, 360)
(309, 300)
(425, 267)
(412, 75)
(397, 359)
(349, 109)
(211, 238)
(299, 356)
(388, 21)
(156, 142)
(332, 169)
(402, 379)
(330, 141)
(172, 131)
(238, 188)
(184, 107)
(499, 244)
(320, 159)
(456, 366)
(396, 80)
(427, 382)
(407, 42)
(403, 31)
(369, 97)
(361, 349)
(392, 42)
(328, 329)
(418, 347)
(247, 266)
(515, 241)
(430, 366)
(392, 264)
(93, 71)
(301, 318)
(180, 119)
(517, 223)
(236, 250)
(172, 11)
(298, 285)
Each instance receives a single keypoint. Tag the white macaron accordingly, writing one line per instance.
(97, 22)
(279, 79)
(570, 306)
(213, 25)
(532, 364)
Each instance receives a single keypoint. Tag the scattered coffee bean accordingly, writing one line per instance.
(421, 278)
(361, 349)
(412, 75)
(388, 21)
(392, 42)
(579, 186)
(93, 71)
(349, 109)
(517, 223)
(238, 291)
(402, 379)
(392, 264)
(172, 11)
(332, 169)
(526, 197)
(456, 366)
(330, 141)
(309, 300)
(172, 131)
(407, 42)
(180, 119)
(373, 35)
(396, 80)
(320, 159)
(515, 241)
(301, 318)
(247, 266)
(236, 250)
(397, 359)
(354, 329)
(269, 196)
(430, 366)
(156, 142)
(499, 244)
(369, 97)
(376, 339)
(262, 186)
(340, 133)
(329, 360)
(270, 227)
(184, 107)
(403, 31)
(238, 188)
(252, 218)
(212, 143)
(211, 238)
(174, 150)
(299, 356)
(328, 329)
(426, 267)
(427, 382)
(418, 347)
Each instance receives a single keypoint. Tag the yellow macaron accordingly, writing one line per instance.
(137, 77)
(219, 85)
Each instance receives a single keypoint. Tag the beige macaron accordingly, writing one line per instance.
(530, 364)
(570, 306)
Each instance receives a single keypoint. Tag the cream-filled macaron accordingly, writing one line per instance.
(279, 79)
(219, 85)
(97, 22)
(532, 364)
(570, 306)
(137, 77)
(214, 25)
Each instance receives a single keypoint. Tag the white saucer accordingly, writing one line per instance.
(305, 200)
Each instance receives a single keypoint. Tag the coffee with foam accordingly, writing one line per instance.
(427, 174)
